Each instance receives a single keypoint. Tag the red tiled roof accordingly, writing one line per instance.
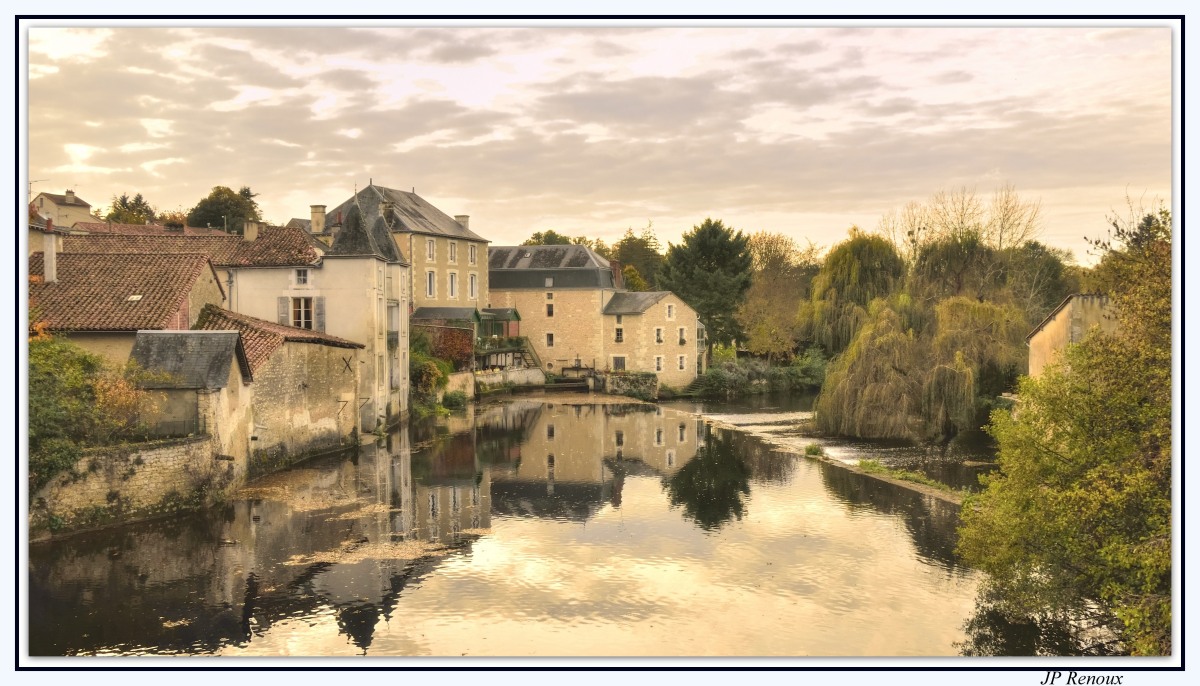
(260, 337)
(144, 229)
(276, 246)
(92, 291)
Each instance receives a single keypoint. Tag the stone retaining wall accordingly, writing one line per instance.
(126, 483)
(641, 385)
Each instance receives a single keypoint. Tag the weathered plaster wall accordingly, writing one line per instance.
(1069, 324)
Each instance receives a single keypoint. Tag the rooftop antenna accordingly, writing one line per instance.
(31, 182)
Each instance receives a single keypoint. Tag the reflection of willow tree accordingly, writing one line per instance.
(766, 463)
(929, 521)
(710, 486)
(993, 632)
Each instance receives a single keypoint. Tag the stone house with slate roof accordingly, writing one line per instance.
(578, 316)
(447, 259)
(101, 301)
(305, 383)
(64, 210)
(199, 385)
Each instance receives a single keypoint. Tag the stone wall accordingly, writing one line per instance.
(643, 385)
(126, 483)
(485, 381)
(461, 381)
(304, 404)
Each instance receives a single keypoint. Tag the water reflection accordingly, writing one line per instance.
(524, 528)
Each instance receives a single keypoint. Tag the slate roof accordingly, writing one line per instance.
(143, 229)
(411, 213)
(428, 313)
(528, 266)
(92, 291)
(629, 302)
(189, 359)
(276, 246)
(507, 314)
(298, 223)
(261, 338)
(545, 257)
(356, 239)
(62, 200)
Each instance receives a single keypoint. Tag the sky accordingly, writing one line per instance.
(590, 131)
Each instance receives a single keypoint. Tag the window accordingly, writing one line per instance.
(453, 293)
(682, 433)
(549, 296)
(471, 253)
(620, 437)
(472, 287)
(658, 363)
(683, 361)
(430, 284)
(453, 251)
(549, 309)
(670, 458)
(550, 432)
(549, 282)
(302, 313)
(658, 335)
(393, 316)
(301, 277)
(658, 435)
(670, 311)
(618, 364)
(430, 251)
(620, 334)
(682, 335)
(549, 340)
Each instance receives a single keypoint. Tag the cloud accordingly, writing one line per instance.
(956, 76)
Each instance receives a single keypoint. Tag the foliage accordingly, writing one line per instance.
(454, 400)
(547, 237)
(710, 271)
(633, 280)
(1038, 277)
(126, 210)
(855, 272)
(814, 450)
(427, 373)
(223, 207)
(779, 283)
(453, 345)
(724, 353)
(1078, 519)
(877, 467)
(641, 251)
(76, 401)
(711, 487)
(175, 219)
(597, 246)
(726, 379)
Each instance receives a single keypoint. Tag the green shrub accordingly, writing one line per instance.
(814, 450)
(454, 400)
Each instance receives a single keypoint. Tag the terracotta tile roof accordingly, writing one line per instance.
(92, 291)
(261, 338)
(143, 229)
(276, 246)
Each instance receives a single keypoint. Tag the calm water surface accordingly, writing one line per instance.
(532, 528)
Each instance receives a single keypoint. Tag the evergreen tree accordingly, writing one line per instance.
(710, 271)
(224, 208)
(127, 210)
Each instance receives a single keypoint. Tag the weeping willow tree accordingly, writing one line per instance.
(873, 389)
(857, 271)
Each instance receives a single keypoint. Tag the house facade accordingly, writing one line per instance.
(1068, 323)
(576, 315)
(448, 260)
(101, 301)
(303, 391)
(64, 210)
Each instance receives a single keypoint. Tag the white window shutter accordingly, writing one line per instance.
(283, 306)
(319, 312)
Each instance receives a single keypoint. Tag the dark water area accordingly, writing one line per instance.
(785, 421)
(533, 527)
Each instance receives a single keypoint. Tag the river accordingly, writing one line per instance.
(568, 526)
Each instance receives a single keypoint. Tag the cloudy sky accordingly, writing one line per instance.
(588, 131)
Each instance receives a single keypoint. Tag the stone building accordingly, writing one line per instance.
(448, 260)
(304, 388)
(1068, 323)
(101, 301)
(64, 210)
(577, 315)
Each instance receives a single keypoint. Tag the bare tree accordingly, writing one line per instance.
(1011, 221)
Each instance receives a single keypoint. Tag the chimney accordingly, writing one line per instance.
(318, 218)
(70, 199)
(464, 220)
(49, 254)
(250, 230)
